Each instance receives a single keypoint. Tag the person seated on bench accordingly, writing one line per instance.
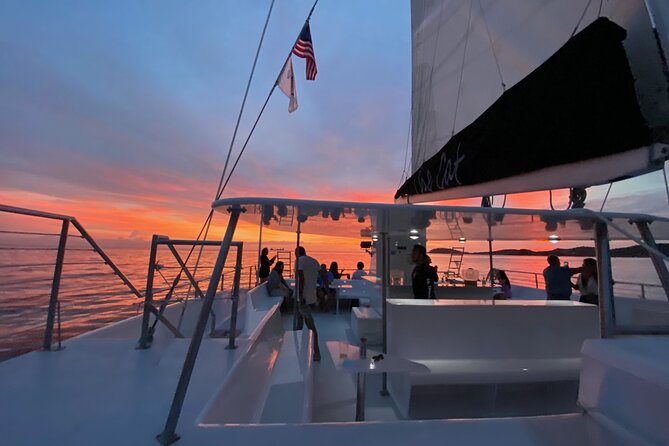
(325, 292)
(336, 272)
(587, 282)
(360, 272)
(505, 284)
(423, 278)
(277, 286)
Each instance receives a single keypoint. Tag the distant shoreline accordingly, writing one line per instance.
(580, 251)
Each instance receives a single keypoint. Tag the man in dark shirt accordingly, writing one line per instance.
(424, 278)
(558, 279)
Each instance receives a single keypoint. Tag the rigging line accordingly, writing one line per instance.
(219, 189)
(550, 198)
(492, 47)
(246, 93)
(420, 155)
(248, 138)
(578, 24)
(666, 185)
(462, 69)
(262, 110)
(599, 12)
(504, 202)
(199, 255)
(206, 224)
(406, 152)
(606, 197)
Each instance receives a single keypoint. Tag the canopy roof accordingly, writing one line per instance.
(352, 219)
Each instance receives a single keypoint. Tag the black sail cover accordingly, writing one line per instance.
(578, 105)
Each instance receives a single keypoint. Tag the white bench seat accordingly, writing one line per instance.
(497, 371)
(289, 396)
(366, 323)
(469, 342)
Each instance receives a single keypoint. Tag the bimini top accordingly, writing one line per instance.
(351, 219)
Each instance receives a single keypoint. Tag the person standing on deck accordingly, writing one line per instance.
(558, 279)
(423, 278)
(265, 263)
(306, 273)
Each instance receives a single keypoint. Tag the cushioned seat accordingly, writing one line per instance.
(497, 371)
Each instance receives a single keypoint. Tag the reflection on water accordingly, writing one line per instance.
(92, 296)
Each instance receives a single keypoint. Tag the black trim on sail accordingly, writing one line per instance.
(578, 105)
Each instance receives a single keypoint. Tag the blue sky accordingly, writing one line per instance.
(123, 111)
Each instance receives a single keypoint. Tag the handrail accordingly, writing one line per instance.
(538, 281)
(66, 220)
(535, 275)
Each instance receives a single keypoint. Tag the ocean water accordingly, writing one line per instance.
(91, 296)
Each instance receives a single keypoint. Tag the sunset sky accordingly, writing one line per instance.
(121, 113)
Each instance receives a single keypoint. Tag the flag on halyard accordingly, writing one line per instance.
(304, 48)
(287, 84)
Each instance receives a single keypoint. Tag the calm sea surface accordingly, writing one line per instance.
(92, 296)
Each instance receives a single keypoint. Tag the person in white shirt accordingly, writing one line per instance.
(307, 267)
(360, 272)
(306, 274)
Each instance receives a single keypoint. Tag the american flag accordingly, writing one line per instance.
(304, 48)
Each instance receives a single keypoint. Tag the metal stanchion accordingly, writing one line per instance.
(360, 397)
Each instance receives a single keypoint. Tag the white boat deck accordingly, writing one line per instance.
(105, 392)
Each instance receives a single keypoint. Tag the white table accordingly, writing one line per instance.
(346, 358)
(350, 289)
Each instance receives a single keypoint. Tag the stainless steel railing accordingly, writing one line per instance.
(66, 224)
(631, 289)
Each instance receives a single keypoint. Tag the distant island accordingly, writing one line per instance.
(579, 251)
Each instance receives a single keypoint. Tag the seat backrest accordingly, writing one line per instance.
(480, 330)
(258, 302)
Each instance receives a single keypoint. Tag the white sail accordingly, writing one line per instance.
(466, 52)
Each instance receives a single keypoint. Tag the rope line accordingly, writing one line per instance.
(606, 197)
(246, 93)
(666, 185)
(262, 110)
(462, 69)
(406, 153)
(420, 155)
(492, 47)
(578, 24)
(219, 188)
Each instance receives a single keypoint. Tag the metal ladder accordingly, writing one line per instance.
(285, 256)
(455, 262)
